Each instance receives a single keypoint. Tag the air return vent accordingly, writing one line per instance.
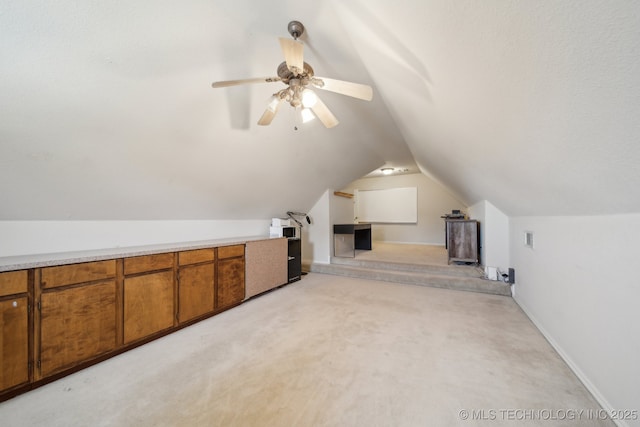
(528, 239)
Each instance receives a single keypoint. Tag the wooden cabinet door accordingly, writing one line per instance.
(195, 291)
(230, 288)
(76, 324)
(14, 342)
(148, 305)
(463, 240)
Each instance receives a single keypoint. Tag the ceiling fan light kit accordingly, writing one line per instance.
(299, 78)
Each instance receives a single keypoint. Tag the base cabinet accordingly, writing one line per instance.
(149, 288)
(230, 278)
(57, 319)
(76, 316)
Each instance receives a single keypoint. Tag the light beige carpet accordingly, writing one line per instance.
(405, 253)
(326, 351)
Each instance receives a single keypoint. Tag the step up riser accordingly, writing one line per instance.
(432, 280)
(453, 270)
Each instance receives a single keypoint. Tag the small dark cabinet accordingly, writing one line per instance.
(463, 240)
(294, 269)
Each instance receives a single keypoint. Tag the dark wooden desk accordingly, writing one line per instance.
(347, 238)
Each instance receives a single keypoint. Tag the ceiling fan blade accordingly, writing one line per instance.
(270, 112)
(324, 115)
(293, 55)
(355, 90)
(228, 83)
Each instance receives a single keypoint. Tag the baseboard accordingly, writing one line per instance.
(576, 370)
(306, 266)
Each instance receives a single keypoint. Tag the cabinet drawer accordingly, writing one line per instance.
(230, 251)
(196, 256)
(13, 282)
(77, 273)
(141, 264)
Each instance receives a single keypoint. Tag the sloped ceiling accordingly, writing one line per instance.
(106, 109)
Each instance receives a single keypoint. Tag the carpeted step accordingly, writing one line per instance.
(446, 281)
(449, 270)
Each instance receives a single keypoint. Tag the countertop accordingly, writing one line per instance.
(23, 262)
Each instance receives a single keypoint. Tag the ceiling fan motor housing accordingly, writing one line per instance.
(285, 73)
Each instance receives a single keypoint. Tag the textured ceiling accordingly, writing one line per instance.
(106, 109)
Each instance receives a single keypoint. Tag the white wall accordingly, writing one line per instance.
(478, 212)
(494, 234)
(316, 237)
(34, 237)
(579, 285)
(342, 209)
(497, 238)
(434, 200)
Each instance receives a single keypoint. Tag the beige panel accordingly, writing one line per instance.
(266, 265)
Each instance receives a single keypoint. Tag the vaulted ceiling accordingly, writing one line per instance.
(106, 108)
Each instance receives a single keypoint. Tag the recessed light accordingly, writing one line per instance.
(386, 171)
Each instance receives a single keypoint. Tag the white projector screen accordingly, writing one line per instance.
(394, 205)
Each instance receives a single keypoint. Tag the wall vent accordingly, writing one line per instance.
(528, 239)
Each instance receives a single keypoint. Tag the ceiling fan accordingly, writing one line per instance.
(300, 79)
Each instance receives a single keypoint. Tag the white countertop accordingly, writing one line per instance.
(23, 262)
